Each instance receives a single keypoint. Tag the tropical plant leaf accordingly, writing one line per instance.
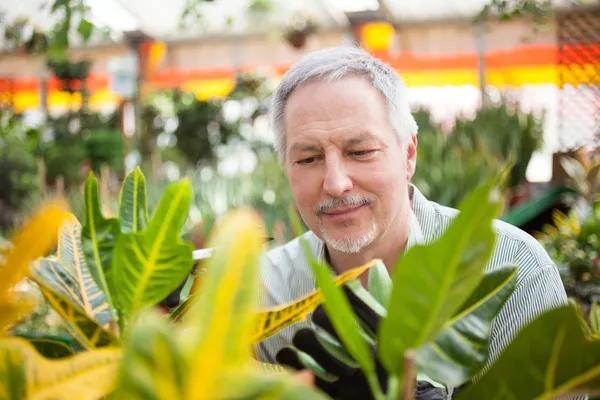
(98, 238)
(272, 320)
(133, 202)
(219, 326)
(70, 276)
(461, 349)
(550, 357)
(153, 363)
(86, 330)
(51, 348)
(431, 282)
(34, 239)
(150, 264)
(380, 284)
(25, 374)
(340, 314)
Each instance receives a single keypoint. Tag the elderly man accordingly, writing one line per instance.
(347, 139)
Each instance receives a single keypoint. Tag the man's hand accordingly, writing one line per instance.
(340, 377)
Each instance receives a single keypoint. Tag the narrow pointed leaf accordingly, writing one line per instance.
(98, 238)
(34, 239)
(549, 358)
(595, 317)
(70, 276)
(220, 321)
(27, 374)
(461, 349)
(432, 281)
(150, 264)
(342, 318)
(133, 203)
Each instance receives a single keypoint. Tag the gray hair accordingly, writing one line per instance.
(331, 64)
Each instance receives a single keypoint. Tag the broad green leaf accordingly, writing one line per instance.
(154, 366)
(98, 237)
(133, 203)
(25, 374)
(549, 357)
(34, 239)
(150, 264)
(340, 313)
(218, 329)
(51, 348)
(461, 349)
(431, 282)
(70, 276)
(380, 284)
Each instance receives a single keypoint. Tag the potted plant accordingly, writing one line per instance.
(298, 31)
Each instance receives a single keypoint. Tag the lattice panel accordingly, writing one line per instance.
(579, 68)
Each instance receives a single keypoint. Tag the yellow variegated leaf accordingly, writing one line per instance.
(272, 320)
(25, 374)
(219, 325)
(68, 285)
(82, 327)
(35, 239)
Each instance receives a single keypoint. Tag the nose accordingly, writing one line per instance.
(336, 180)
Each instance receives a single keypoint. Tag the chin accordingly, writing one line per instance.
(351, 244)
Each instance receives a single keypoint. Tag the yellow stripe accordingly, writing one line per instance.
(218, 88)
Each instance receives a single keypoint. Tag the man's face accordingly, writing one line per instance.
(347, 168)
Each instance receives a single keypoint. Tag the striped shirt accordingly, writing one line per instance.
(286, 274)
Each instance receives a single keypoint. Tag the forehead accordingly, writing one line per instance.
(344, 109)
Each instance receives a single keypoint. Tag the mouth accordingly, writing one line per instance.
(341, 214)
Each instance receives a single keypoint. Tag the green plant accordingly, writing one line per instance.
(437, 291)
(210, 345)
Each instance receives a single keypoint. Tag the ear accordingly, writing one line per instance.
(411, 157)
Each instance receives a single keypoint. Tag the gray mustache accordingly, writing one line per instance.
(332, 204)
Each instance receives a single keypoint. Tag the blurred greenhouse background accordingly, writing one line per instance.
(182, 88)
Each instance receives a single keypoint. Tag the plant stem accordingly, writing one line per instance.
(393, 388)
(410, 374)
(375, 388)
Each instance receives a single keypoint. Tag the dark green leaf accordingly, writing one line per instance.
(51, 348)
(431, 282)
(462, 347)
(549, 358)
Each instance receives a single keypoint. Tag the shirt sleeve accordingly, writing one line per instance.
(537, 293)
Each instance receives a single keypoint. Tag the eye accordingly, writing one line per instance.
(307, 161)
(363, 153)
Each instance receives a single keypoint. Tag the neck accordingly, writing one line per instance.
(388, 247)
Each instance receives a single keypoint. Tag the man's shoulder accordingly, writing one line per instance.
(513, 245)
